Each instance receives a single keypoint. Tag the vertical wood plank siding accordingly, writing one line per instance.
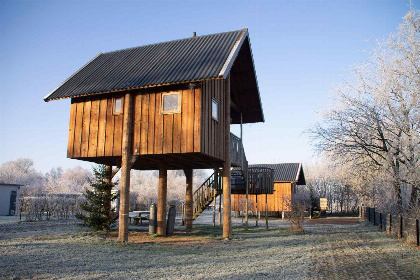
(212, 131)
(94, 131)
(72, 124)
(277, 202)
(100, 151)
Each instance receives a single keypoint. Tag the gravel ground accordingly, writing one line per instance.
(56, 250)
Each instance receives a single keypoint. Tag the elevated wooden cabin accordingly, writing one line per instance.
(165, 106)
(179, 93)
(286, 177)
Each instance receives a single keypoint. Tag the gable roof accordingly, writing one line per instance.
(186, 60)
(286, 172)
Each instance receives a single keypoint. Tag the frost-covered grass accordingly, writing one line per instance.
(324, 251)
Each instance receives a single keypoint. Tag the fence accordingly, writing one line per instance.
(56, 206)
(398, 225)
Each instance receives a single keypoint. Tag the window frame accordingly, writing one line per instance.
(114, 101)
(177, 111)
(217, 113)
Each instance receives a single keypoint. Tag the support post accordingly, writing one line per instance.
(220, 204)
(246, 185)
(161, 207)
(189, 199)
(227, 219)
(246, 201)
(256, 209)
(108, 180)
(125, 169)
(266, 211)
(214, 208)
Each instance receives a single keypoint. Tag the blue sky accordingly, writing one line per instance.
(300, 48)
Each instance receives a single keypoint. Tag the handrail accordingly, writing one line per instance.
(237, 152)
(206, 193)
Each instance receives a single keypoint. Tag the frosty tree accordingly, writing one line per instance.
(375, 121)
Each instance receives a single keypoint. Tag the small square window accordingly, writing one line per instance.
(215, 109)
(171, 103)
(118, 106)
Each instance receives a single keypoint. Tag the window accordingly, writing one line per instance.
(118, 106)
(171, 103)
(215, 109)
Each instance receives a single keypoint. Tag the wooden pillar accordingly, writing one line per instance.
(125, 168)
(108, 180)
(161, 207)
(220, 202)
(227, 219)
(256, 209)
(246, 182)
(266, 211)
(189, 198)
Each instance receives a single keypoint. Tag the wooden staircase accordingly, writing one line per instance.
(213, 187)
(259, 179)
(206, 193)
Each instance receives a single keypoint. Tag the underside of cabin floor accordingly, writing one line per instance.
(171, 161)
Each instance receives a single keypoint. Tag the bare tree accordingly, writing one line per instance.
(375, 120)
(22, 171)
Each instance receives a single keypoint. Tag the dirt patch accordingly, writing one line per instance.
(334, 221)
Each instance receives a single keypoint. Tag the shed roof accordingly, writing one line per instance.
(286, 172)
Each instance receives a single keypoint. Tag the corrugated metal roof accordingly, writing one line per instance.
(190, 59)
(286, 172)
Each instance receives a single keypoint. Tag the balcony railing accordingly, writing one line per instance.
(237, 153)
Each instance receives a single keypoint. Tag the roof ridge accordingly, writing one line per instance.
(175, 40)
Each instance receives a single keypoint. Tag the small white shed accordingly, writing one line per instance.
(9, 199)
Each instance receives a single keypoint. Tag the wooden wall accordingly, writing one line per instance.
(155, 133)
(277, 202)
(213, 132)
(95, 132)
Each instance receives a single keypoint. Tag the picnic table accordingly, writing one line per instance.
(137, 216)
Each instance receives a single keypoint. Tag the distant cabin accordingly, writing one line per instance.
(286, 177)
(9, 199)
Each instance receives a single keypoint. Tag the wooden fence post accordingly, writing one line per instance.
(374, 216)
(380, 221)
(400, 233)
(417, 232)
(389, 223)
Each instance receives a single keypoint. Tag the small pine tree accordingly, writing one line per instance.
(100, 215)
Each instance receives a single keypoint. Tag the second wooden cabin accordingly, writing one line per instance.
(286, 177)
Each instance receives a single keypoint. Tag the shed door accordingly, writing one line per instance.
(12, 207)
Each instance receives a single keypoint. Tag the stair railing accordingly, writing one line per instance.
(206, 193)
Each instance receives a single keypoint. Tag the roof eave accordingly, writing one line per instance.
(46, 98)
(133, 88)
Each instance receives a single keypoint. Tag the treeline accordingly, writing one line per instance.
(44, 191)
